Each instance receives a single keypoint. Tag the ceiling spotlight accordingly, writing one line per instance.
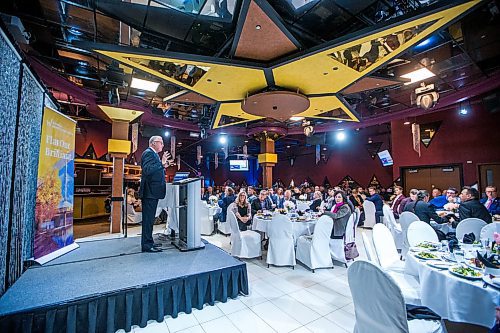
(288, 146)
(406, 123)
(324, 148)
(340, 121)
(463, 111)
(341, 136)
(426, 96)
(258, 27)
(246, 141)
(295, 118)
(167, 134)
(223, 139)
(370, 140)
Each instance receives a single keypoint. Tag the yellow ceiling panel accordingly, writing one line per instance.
(319, 73)
(221, 82)
(323, 104)
(230, 114)
(120, 114)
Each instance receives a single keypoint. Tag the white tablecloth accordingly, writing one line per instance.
(299, 228)
(452, 297)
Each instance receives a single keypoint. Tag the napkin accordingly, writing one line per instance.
(469, 238)
(420, 312)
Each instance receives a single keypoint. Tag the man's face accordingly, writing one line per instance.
(210, 189)
(397, 191)
(491, 192)
(450, 194)
(436, 193)
(250, 191)
(371, 191)
(157, 145)
(316, 188)
(360, 190)
(464, 196)
(288, 194)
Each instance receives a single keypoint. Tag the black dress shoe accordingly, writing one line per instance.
(157, 245)
(153, 249)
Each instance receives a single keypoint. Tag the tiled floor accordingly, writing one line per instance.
(280, 300)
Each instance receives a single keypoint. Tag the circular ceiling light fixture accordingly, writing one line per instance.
(279, 105)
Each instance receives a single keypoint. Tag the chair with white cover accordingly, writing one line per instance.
(379, 306)
(419, 232)
(281, 247)
(337, 245)
(370, 219)
(224, 227)
(489, 229)
(206, 223)
(393, 226)
(358, 216)
(405, 219)
(389, 260)
(133, 217)
(469, 225)
(313, 251)
(244, 244)
(370, 251)
(349, 229)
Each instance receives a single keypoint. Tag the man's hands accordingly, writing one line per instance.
(167, 159)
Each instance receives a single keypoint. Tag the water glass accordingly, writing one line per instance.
(459, 256)
(444, 246)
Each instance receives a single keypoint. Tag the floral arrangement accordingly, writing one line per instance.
(288, 205)
(303, 197)
(213, 199)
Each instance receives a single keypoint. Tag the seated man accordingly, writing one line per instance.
(491, 202)
(423, 209)
(260, 204)
(471, 207)
(450, 196)
(377, 201)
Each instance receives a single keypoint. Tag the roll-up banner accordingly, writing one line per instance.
(55, 187)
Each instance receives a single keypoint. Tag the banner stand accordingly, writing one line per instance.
(51, 256)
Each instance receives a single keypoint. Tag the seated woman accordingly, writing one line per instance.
(340, 214)
(131, 200)
(242, 210)
(316, 201)
(224, 203)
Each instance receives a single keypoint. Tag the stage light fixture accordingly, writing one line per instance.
(426, 96)
(167, 134)
(223, 139)
(340, 136)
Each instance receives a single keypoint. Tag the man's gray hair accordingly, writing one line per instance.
(153, 138)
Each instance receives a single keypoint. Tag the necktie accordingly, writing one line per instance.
(488, 203)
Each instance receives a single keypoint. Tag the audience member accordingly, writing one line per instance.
(281, 198)
(396, 206)
(224, 203)
(471, 207)
(340, 214)
(411, 198)
(251, 194)
(243, 211)
(316, 201)
(208, 193)
(436, 192)
(260, 204)
(442, 200)
(423, 209)
(377, 201)
(491, 202)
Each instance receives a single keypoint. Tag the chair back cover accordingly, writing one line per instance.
(489, 229)
(419, 232)
(384, 246)
(320, 248)
(281, 248)
(206, 224)
(469, 225)
(370, 252)
(235, 233)
(405, 219)
(349, 230)
(369, 209)
(225, 227)
(393, 226)
(358, 216)
(378, 305)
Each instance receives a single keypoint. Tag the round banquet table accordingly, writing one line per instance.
(299, 227)
(452, 297)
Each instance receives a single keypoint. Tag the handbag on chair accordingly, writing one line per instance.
(351, 251)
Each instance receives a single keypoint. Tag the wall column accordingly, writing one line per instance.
(118, 147)
(267, 159)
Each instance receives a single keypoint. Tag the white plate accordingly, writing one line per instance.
(465, 276)
(487, 279)
(439, 264)
(448, 258)
(423, 258)
(469, 264)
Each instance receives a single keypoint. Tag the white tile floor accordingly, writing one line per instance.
(280, 300)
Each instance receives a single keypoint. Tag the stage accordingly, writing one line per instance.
(110, 284)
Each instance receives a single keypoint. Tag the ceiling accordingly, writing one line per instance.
(256, 32)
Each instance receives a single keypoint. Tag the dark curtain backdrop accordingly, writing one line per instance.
(21, 103)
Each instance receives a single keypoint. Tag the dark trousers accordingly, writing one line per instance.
(148, 218)
(379, 217)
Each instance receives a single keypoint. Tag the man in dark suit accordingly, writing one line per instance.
(153, 187)
(423, 209)
(471, 207)
(377, 201)
(491, 202)
(261, 203)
